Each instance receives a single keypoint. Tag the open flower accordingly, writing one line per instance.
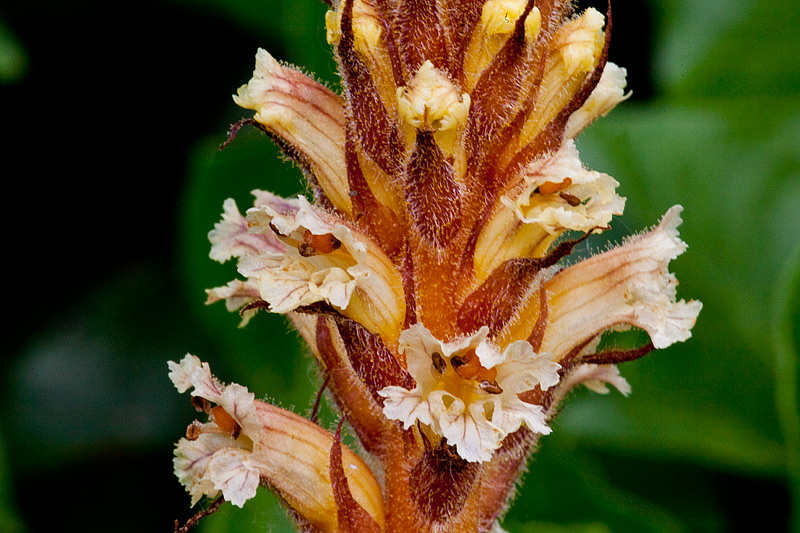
(626, 286)
(426, 270)
(248, 442)
(467, 390)
(296, 255)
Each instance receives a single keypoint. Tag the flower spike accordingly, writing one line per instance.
(430, 273)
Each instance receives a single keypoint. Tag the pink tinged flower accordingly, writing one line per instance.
(297, 255)
(236, 294)
(231, 238)
(626, 286)
(467, 389)
(248, 442)
(305, 116)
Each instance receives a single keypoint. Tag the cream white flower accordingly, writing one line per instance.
(466, 390)
(609, 92)
(560, 194)
(555, 194)
(218, 459)
(431, 102)
(301, 274)
(248, 441)
(628, 285)
(304, 114)
(230, 237)
(294, 254)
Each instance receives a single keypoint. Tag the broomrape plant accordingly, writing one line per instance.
(425, 274)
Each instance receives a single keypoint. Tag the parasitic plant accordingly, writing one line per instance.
(425, 273)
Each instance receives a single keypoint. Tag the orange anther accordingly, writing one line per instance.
(466, 365)
(323, 244)
(550, 187)
(194, 430)
(225, 421)
(491, 387)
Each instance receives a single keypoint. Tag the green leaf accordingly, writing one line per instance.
(786, 325)
(732, 48)
(738, 194)
(570, 483)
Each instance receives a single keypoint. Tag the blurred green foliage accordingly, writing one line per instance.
(12, 55)
(712, 425)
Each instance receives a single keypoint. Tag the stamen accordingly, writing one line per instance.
(225, 421)
(491, 387)
(457, 361)
(201, 405)
(550, 187)
(194, 430)
(571, 199)
(323, 244)
(306, 250)
(197, 428)
(467, 366)
(438, 362)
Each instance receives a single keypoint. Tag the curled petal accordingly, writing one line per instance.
(556, 194)
(275, 446)
(240, 404)
(466, 428)
(236, 400)
(308, 116)
(236, 294)
(560, 194)
(354, 274)
(522, 370)
(290, 282)
(597, 378)
(192, 372)
(510, 418)
(294, 254)
(191, 461)
(230, 237)
(609, 92)
(408, 406)
(233, 472)
(628, 285)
